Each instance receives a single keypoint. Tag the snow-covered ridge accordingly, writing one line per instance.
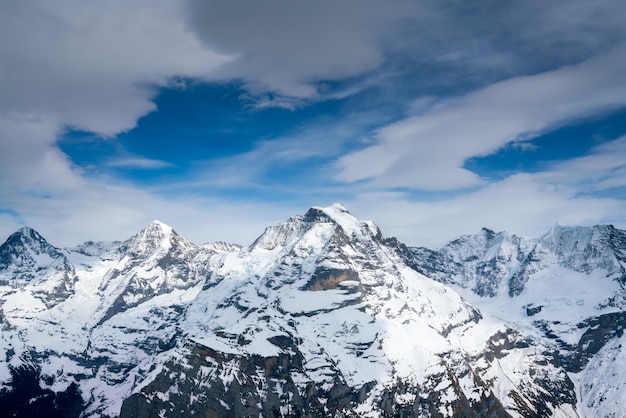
(321, 315)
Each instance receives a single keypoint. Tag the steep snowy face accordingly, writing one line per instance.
(568, 284)
(491, 263)
(28, 260)
(26, 252)
(153, 262)
(483, 262)
(582, 249)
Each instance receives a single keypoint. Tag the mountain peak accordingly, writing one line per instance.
(26, 248)
(154, 236)
(27, 237)
(279, 235)
(338, 214)
(28, 233)
(158, 225)
(334, 209)
(26, 230)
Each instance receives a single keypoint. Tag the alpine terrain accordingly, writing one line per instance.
(320, 316)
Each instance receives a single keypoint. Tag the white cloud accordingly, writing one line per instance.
(30, 160)
(526, 203)
(289, 48)
(519, 204)
(428, 151)
(603, 168)
(91, 65)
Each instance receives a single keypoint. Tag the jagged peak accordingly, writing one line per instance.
(556, 228)
(559, 228)
(487, 231)
(338, 214)
(27, 236)
(28, 232)
(278, 235)
(26, 248)
(155, 235)
(157, 225)
(335, 211)
(293, 228)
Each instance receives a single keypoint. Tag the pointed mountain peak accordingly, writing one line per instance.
(27, 248)
(557, 226)
(559, 229)
(332, 211)
(26, 230)
(338, 214)
(498, 237)
(28, 237)
(562, 238)
(157, 227)
(28, 233)
(488, 233)
(152, 237)
(295, 227)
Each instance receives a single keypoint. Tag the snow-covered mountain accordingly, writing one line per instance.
(568, 284)
(28, 260)
(320, 316)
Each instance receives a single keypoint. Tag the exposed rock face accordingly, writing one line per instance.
(320, 316)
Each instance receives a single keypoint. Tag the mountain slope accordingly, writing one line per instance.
(120, 316)
(320, 316)
(568, 284)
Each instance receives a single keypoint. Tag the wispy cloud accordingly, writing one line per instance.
(139, 163)
(603, 168)
(429, 151)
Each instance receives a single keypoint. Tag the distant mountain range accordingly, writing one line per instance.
(320, 316)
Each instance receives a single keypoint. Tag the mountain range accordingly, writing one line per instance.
(320, 316)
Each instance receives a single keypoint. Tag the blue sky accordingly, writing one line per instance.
(220, 117)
